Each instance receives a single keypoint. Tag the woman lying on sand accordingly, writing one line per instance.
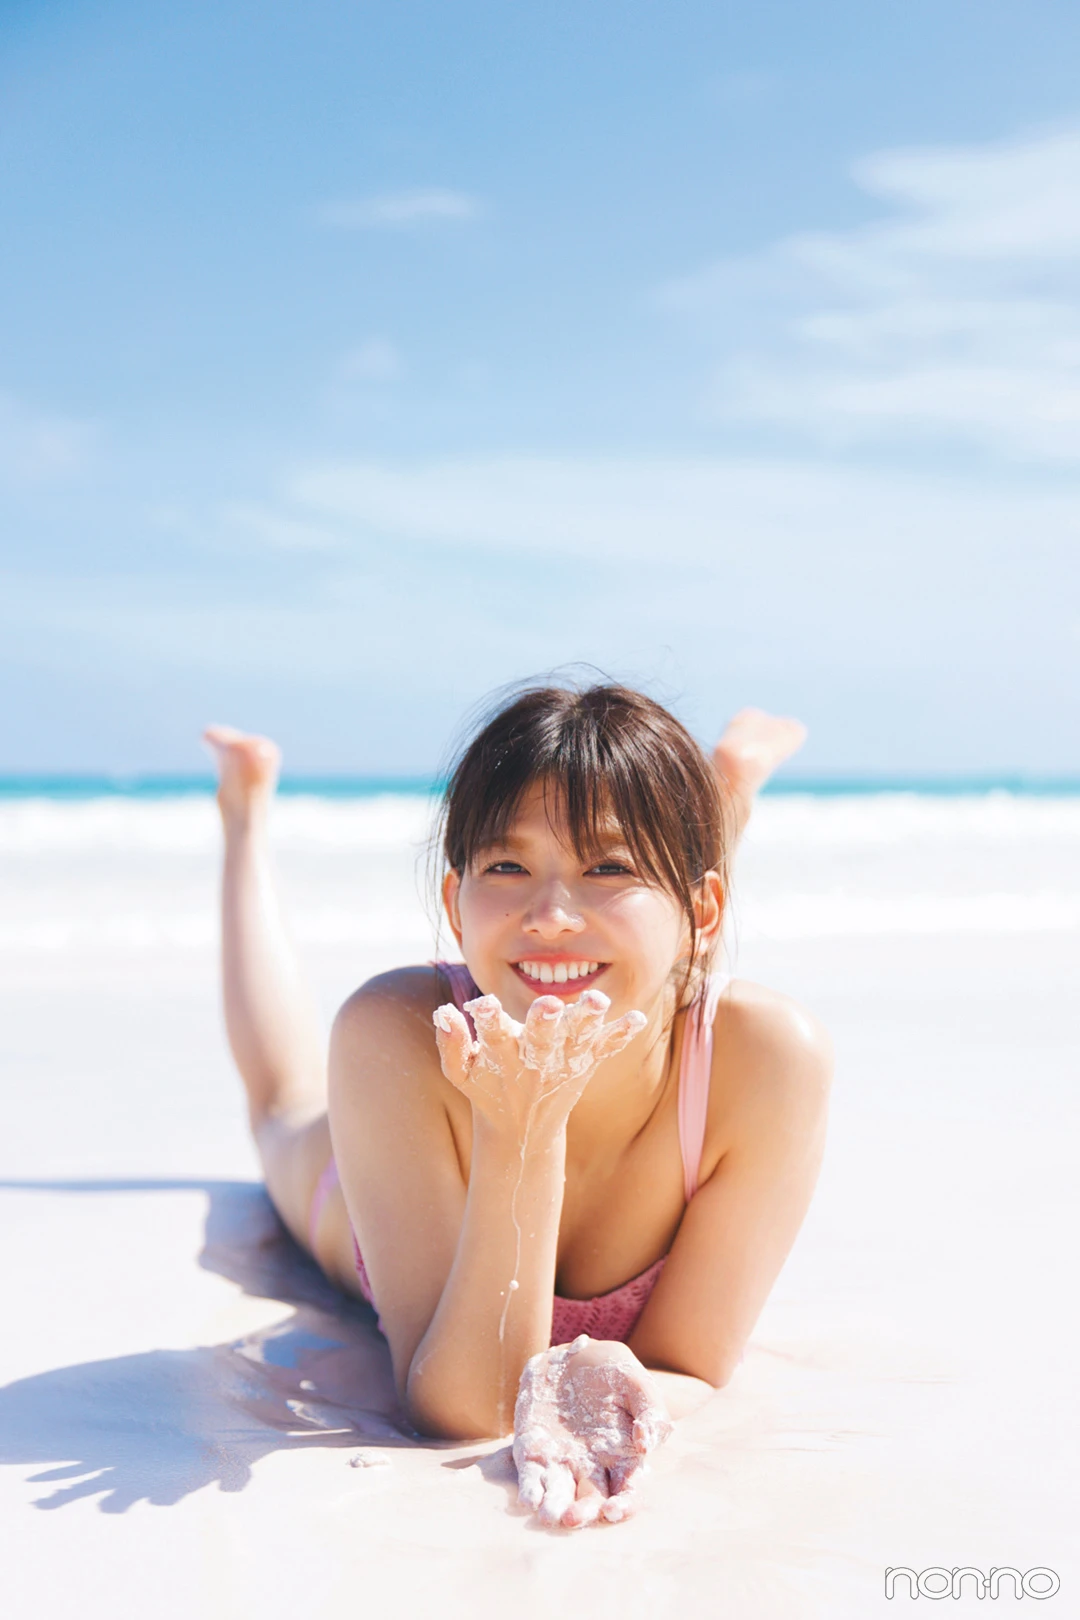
(584, 1101)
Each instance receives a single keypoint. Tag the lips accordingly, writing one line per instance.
(562, 976)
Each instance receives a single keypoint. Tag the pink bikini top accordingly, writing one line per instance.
(613, 1315)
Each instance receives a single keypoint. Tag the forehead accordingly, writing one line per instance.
(543, 812)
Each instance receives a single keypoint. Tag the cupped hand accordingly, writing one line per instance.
(510, 1070)
(587, 1416)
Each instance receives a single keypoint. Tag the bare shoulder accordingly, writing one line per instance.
(404, 997)
(385, 1027)
(770, 1055)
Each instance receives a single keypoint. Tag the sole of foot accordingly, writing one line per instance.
(248, 768)
(753, 746)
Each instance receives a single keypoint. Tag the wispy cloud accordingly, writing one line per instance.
(398, 210)
(786, 545)
(38, 448)
(281, 531)
(745, 567)
(956, 317)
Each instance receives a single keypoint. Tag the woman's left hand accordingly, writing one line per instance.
(587, 1416)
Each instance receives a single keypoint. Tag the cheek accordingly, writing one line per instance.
(482, 915)
(652, 927)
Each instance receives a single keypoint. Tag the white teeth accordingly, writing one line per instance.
(560, 973)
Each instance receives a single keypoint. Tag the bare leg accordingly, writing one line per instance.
(753, 746)
(269, 1017)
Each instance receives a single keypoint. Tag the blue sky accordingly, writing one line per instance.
(358, 359)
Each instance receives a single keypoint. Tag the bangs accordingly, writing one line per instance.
(611, 764)
(587, 813)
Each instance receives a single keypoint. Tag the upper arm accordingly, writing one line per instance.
(738, 1229)
(396, 1155)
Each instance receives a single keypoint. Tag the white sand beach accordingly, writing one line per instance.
(192, 1422)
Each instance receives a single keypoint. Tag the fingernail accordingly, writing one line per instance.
(442, 1019)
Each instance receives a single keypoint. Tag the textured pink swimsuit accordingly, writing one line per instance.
(613, 1315)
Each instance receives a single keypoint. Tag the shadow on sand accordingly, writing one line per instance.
(156, 1426)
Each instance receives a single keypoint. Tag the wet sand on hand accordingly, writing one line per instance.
(193, 1421)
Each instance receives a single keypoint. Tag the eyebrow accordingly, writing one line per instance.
(608, 843)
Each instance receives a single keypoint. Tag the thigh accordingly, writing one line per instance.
(295, 1153)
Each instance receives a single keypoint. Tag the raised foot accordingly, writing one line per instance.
(247, 768)
(754, 745)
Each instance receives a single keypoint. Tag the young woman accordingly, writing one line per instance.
(572, 1195)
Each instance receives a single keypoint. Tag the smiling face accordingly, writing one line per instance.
(533, 917)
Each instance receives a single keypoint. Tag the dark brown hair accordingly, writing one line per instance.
(602, 752)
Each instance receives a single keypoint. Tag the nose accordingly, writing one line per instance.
(552, 912)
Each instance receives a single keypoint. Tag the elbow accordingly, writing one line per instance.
(723, 1364)
(438, 1416)
(455, 1427)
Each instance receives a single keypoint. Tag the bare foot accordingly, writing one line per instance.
(753, 746)
(247, 770)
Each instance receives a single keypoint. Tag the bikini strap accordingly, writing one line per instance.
(695, 1069)
(463, 986)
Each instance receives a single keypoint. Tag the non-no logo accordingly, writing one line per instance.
(938, 1582)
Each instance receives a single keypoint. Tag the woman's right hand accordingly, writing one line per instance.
(515, 1074)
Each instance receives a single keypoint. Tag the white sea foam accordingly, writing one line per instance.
(996, 865)
(882, 819)
(190, 824)
(823, 916)
(198, 930)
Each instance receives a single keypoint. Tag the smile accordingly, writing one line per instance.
(560, 975)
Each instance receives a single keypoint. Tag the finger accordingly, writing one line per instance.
(496, 1031)
(624, 1497)
(530, 1483)
(651, 1429)
(560, 1487)
(613, 1037)
(492, 1023)
(652, 1424)
(544, 1034)
(455, 1044)
(585, 1016)
(586, 1506)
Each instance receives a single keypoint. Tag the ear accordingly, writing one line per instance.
(709, 908)
(451, 893)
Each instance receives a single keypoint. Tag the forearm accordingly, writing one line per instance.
(682, 1393)
(495, 1310)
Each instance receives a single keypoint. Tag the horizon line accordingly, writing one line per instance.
(76, 785)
